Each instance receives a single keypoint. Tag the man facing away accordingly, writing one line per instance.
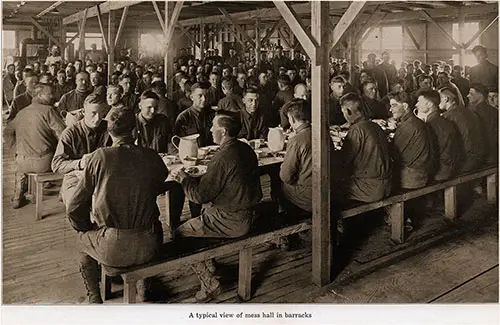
(231, 102)
(78, 142)
(232, 185)
(34, 131)
(127, 229)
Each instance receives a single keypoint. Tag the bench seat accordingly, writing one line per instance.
(35, 189)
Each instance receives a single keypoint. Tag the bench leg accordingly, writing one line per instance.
(245, 274)
(491, 188)
(105, 285)
(39, 199)
(29, 195)
(450, 203)
(129, 291)
(396, 213)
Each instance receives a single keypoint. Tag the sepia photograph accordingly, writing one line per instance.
(196, 153)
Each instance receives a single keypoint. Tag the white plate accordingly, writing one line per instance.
(196, 171)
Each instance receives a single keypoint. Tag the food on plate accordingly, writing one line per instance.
(192, 170)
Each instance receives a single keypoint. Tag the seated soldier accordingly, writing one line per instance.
(469, 128)
(197, 119)
(365, 156)
(127, 229)
(232, 185)
(129, 98)
(445, 137)
(34, 132)
(412, 145)
(166, 106)
(114, 97)
(185, 101)
(152, 129)
(284, 95)
(24, 99)
(232, 102)
(214, 91)
(488, 118)
(375, 108)
(337, 85)
(493, 97)
(61, 86)
(254, 123)
(72, 102)
(299, 92)
(78, 142)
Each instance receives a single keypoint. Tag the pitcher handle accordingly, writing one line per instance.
(172, 140)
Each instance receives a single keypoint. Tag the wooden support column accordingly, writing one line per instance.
(257, 41)
(111, 36)
(103, 34)
(491, 188)
(272, 30)
(170, 21)
(321, 218)
(237, 26)
(202, 41)
(45, 32)
(63, 40)
(426, 43)
(461, 36)
(354, 10)
(424, 14)
(480, 32)
(81, 46)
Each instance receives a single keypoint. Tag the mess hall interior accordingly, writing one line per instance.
(339, 152)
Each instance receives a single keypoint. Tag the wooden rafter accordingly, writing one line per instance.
(237, 26)
(104, 7)
(120, 27)
(101, 27)
(235, 34)
(346, 21)
(283, 37)
(159, 15)
(298, 29)
(49, 8)
(479, 33)
(445, 33)
(173, 21)
(410, 35)
(188, 35)
(43, 30)
(374, 19)
(71, 39)
(272, 30)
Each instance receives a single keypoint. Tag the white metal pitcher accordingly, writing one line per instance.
(188, 146)
(276, 139)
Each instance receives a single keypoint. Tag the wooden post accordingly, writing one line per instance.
(321, 218)
(257, 41)
(397, 216)
(81, 46)
(491, 188)
(111, 36)
(129, 288)
(63, 40)
(202, 41)
(426, 43)
(245, 274)
(450, 203)
(461, 36)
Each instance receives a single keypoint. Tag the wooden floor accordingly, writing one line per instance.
(441, 263)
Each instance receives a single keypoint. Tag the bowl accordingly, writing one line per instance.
(169, 159)
(255, 144)
(259, 153)
(189, 161)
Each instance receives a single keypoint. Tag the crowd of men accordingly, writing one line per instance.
(104, 134)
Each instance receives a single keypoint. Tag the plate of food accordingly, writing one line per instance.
(196, 171)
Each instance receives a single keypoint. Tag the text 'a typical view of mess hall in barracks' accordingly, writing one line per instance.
(197, 151)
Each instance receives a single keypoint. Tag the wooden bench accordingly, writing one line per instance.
(175, 256)
(36, 182)
(396, 202)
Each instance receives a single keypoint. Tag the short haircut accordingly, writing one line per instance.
(431, 95)
(61, 72)
(187, 85)
(124, 76)
(121, 122)
(11, 65)
(369, 81)
(449, 92)
(41, 88)
(457, 67)
(29, 73)
(251, 90)
(337, 79)
(83, 72)
(45, 75)
(230, 122)
(94, 98)
(284, 79)
(417, 62)
(479, 48)
(398, 81)
(422, 77)
(300, 109)
(198, 86)
(401, 97)
(228, 83)
(480, 89)
(159, 86)
(354, 99)
(118, 88)
(149, 94)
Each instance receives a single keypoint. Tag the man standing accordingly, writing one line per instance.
(412, 144)
(78, 141)
(488, 118)
(232, 185)
(389, 70)
(72, 102)
(253, 119)
(34, 131)
(24, 99)
(55, 56)
(485, 72)
(127, 229)
(462, 83)
(197, 118)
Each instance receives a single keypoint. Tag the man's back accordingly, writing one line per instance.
(485, 73)
(125, 195)
(488, 118)
(231, 103)
(36, 129)
(192, 121)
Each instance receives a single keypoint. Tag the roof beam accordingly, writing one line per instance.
(43, 30)
(410, 34)
(49, 8)
(306, 40)
(172, 21)
(104, 7)
(186, 32)
(479, 33)
(351, 14)
(159, 15)
(103, 34)
(272, 30)
(445, 33)
(376, 17)
(120, 27)
(237, 26)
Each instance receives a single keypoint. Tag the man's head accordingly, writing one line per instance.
(94, 110)
(337, 85)
(447, 69)
(225, 127)
(148, 104)
(369, 89)
(55, 50)
(70, 71)
(351, 107)
(198, 96)
(147, 78)
(410, 69)
(448, 98)
(427, 69)
(263, 79)
(283, 82)
(292, 74)
(428, 101)
(95, 79)
(435, 68)
(44, 94)
(78, 66)
(53, 69)
(93, 46)
(457, 71)
(443, 79)
(480, 53)
(298, 112)
(114, 94)
(82, 81)
(425, 82)
(493, 97)
(386, 57)
(30, 81)
(398, 85)
(45, 78)
(61, 77)
(125, 81)
(300, 91)
(241, 79)
(227, 85)
(279, 51)
(121, 122)
(214, 80)
(11, 68)
(400, 104)
(251, 100)
(226, 72)
(477, 94)
(371, 60)
(417, 64)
